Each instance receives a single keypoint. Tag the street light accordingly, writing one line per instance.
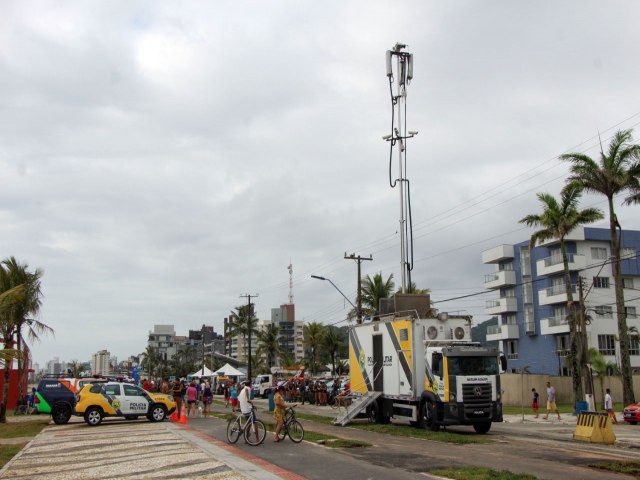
(334, 286)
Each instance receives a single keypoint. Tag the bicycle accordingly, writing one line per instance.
(247, 426)
(291, 426)
(341, 400)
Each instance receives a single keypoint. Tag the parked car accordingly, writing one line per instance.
(121, 399)
(55, 397)
(631, 413)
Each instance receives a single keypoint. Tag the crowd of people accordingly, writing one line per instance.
(194, 395)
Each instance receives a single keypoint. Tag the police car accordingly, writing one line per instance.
(121, 399)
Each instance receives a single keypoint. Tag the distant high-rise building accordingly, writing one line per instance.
(100, 363)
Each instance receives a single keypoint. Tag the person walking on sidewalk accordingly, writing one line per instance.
(608, 406)
(551, 401)
(535, 397)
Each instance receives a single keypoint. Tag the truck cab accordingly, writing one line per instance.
(263, 385)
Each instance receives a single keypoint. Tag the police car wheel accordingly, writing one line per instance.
(93, 417)
(157, 413)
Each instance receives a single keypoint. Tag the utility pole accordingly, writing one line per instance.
(249, 317)
(586, 364)
(359, 260)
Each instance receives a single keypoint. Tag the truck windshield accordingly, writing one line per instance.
(473, 365)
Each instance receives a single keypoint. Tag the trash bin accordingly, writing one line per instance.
(272, 404)
(582, 406)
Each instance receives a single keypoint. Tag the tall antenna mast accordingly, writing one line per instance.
(290, 267)
(402, 77)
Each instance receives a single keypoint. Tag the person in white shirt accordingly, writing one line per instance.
(246, 405)
(608, 406)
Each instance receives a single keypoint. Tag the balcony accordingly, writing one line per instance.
(502, 332)
(499, 279)
(553, 265)
(555, 294)
(554, 326)
(502, 305)
(497, 254)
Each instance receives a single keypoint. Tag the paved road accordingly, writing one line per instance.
(140, 449)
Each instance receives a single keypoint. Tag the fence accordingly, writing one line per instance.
(517, 388)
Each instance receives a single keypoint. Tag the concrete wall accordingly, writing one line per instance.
(517, 389)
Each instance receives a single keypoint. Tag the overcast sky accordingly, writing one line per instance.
(161, 159)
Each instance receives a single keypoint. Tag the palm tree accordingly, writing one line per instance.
(618, 171)
(313, 333)
(331, 343)
(243, 324)
(268, 344)
(557, 220)
(21, 295)
(373, 289)
(287, 359)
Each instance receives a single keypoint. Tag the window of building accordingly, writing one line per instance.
(600, 282)
(560, 313)
(628, 253)
(562, 345)
(509, 293)
(634, 345)
(507, 267)
(512, 349)
(598, 253)
(627, 282)
(607, 344)
(605, 311)
(511, 319)
(630, 312)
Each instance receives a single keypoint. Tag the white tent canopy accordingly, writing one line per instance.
(229, 371)
(202, 372)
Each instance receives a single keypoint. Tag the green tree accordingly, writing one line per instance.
(313, 333)
(20, 290)
(373, 289)
(242, 324)
(557, 220)
(150, 362)
(331, 342)
(617, 172)
(269, 345)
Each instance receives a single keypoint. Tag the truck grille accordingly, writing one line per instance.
(477, 399)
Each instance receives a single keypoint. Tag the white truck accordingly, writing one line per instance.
(425, 370)
(263, 385)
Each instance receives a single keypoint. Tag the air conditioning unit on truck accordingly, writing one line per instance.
(425, 370)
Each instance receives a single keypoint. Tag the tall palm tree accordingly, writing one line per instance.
(618, 171)
(268, 344)
(373, 289)
(557, 220)
(21, 300)
(244, 324)
(331, 343)
(313, 333)
(20, 275)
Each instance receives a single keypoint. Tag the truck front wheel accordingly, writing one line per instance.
(482, 427)
(429, 416)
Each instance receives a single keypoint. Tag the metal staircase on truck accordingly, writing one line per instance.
(359, 402)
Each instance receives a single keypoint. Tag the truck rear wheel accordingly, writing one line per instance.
(373, 413)
(482, 427)
(429, 416)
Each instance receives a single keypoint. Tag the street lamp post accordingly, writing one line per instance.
(358, 310)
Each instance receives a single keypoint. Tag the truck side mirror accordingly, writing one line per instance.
(503, 363)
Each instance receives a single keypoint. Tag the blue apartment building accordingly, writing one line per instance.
(531, 306)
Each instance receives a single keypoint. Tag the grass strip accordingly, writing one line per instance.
(424, 434)
(22, 429)
(481, 473)
(628, 468)
(7, 452)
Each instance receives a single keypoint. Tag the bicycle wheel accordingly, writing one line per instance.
(256, 433)
(296, 432)
(335, 404)
(233, 430)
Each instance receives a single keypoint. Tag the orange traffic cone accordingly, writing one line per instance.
(183, 415)
(174, 416)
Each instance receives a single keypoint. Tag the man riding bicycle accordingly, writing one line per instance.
(246, 405)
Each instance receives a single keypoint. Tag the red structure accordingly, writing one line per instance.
(13, 387)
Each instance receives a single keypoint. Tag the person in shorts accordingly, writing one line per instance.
(551, 402)
(192, 396)
(535, 397)
(233, 394)
(207, 398)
